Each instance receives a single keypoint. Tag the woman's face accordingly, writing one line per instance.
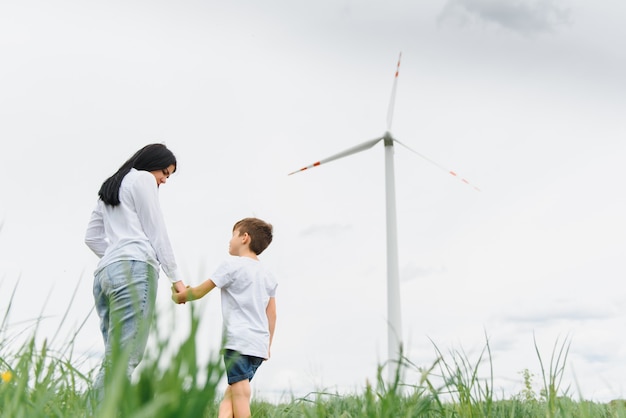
(161, 176)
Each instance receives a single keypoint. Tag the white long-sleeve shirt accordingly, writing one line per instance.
(134, 229)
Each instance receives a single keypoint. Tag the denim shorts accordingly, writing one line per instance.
(240, 366)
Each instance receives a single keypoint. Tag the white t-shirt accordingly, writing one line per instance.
(134, 229)
(246, 286)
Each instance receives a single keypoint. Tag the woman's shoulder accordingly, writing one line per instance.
(135, 176)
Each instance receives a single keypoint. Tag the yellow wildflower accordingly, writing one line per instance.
(6, 376)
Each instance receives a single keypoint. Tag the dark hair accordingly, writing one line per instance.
(152, 157)
(260, 233)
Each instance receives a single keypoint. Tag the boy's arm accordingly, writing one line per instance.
(201, 290)
(192, 293)
(270, 311)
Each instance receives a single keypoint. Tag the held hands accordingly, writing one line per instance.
(180, 292)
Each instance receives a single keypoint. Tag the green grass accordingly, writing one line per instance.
(46, 379)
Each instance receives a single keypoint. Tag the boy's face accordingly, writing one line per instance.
(236, 242)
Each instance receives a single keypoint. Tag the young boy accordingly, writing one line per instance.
(248, 291)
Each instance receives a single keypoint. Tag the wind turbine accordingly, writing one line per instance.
(394, 320)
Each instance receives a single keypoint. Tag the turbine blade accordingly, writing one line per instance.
(349, 151)
(392, 100)
(439, 166)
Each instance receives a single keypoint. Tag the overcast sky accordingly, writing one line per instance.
(524, 98)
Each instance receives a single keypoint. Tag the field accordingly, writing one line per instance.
(39, 380)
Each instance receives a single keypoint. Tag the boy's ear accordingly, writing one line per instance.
(246, 238)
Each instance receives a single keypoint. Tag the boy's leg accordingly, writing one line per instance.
(236, 400)
(226, 406)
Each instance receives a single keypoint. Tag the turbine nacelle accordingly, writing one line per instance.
(388, 139)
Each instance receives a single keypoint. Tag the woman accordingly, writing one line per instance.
(127, 232)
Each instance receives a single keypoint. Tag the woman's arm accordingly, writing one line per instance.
(95, 237)
(148, 207)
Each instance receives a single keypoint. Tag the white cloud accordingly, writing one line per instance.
(524, 16)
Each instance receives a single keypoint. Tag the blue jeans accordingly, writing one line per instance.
(125, 296)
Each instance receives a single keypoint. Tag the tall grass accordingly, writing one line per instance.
(46, 379)
(37, 379)
(470, 396)
(553, 377)
(182, 389)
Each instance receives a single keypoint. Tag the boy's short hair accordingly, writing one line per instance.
(260, 233)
